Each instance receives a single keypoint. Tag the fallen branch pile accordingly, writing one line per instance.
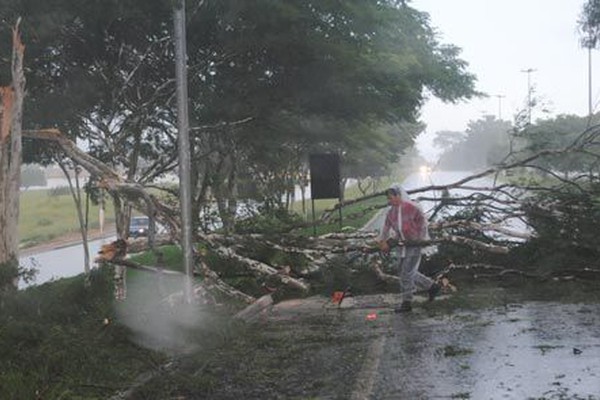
(494, 205)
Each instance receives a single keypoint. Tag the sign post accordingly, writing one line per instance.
(324, 180)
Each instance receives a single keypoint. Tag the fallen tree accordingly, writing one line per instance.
(483, 232)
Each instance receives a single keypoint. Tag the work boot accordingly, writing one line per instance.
(406, 306)
(433, 291)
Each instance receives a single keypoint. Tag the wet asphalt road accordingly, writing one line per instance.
(61, 262)
(527, 351)
(533, 350)
(530, 351)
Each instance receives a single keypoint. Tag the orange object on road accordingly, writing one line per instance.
(337, 297)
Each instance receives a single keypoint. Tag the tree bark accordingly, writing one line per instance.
(122, 216)
(225, 194)
(10, 166)
(83, 228)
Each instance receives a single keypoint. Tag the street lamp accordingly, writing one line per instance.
(500, 97)
(590, 44)
(528, 71)
(184, 144)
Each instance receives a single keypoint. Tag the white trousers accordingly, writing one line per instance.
(410, 277)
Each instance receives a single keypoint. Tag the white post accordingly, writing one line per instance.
(184, 145)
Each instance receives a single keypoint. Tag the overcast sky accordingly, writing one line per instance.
(499, 39)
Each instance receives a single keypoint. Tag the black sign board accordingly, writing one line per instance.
(324, 176)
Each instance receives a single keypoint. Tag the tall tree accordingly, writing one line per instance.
(10, 165)
(312, 73)
(486, 142)
(102, 71)
(265, 74)
(556, 133)
(589, 24)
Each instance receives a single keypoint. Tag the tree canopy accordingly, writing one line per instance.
(589, 24)
(485, 142)
(347, 77)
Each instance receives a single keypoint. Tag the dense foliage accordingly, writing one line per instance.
(566, 223)
(589, 24)
(485, 142)
(561, 132)
(269, 83)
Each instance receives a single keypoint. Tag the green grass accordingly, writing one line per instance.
(45, 216)
(172, 258)
(351, 192)
(350, 214)
(60, 341)
(349, 218)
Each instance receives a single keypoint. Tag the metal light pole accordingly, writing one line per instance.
(590, 110)
(185, 197)
(500, 97)
(528, 71)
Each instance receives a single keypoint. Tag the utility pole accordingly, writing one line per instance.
(185, 197)
(500, 97)
(590, 108)
(528, 71)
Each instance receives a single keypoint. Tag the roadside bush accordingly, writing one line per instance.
(8, 272)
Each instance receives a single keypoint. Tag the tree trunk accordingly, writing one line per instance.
(343, 182)
(223, 207)
(83, 228)
(226, 197)
(10, 166)
(122, 216)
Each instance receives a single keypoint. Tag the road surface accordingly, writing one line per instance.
(61, 262)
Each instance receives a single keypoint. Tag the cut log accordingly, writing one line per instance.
(382, 276)
(259, 267)
(253, 311)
